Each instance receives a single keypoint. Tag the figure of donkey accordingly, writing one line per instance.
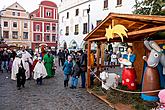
(156, 55)
(151, 78)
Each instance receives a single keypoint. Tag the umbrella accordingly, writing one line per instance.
(3, 45)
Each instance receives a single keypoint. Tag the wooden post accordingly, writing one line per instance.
(139, 51)
(102, 54)
(98, 57)
(89, 65)
(113, 23)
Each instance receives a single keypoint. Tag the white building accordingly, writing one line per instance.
(73, 18)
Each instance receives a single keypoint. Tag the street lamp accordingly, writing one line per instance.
(1, 39)
(88, 11)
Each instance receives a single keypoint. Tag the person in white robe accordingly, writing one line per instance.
(15, 67)
(39, 71)
(15, 71)
(26, 56)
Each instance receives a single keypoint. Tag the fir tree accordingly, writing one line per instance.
(149, 7)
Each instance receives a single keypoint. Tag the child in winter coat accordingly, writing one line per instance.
(39, 71)
(75, 74)
(67, 68)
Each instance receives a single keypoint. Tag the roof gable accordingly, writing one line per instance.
(16, 6)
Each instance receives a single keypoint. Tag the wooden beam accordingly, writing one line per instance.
(106, 24)
(102, 53)
(131, 24)
(154, 29)
(96, 36)
(113, 23)
(98, 57)
(142, 26)
(89, 65)
(101, 30)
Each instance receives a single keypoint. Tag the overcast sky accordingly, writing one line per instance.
(29, 5)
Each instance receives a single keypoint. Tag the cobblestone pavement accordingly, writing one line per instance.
(49, 96)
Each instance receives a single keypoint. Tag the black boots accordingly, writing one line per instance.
(72, 87)
(66, 83)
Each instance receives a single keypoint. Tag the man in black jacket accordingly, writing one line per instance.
(83, 66)
(60, 58)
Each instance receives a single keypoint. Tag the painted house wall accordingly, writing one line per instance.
(40, 17)
(20, 17)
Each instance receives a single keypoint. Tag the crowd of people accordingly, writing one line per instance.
(6, 59)
(23, 65)
(74, 65)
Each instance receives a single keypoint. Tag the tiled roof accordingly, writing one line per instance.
(48, 3)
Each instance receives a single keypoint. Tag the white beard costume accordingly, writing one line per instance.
(39, 70)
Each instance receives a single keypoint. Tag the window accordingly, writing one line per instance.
(14, 24)
(25, 35)
(18, 13)
(119, 2)
(37, 37)
(85, 27)
(76, 30)
(67, 30)
(77, 12)
(53, 38)
(5, 34)
(37, 27)
(48, 13)
(53, 28)
(15, 34)
(25, 25)
(67, 15)
(85, 12)
(105, 4)
(47, 37)
(98, 22)
(13, 13)
(5, 24)
(47, 27)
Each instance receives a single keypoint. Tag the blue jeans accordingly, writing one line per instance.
(83, 79)
(74, 81)
(4, 65)
(66, 77)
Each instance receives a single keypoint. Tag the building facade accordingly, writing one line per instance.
(44, 25)
(78, 17)
(15, 25)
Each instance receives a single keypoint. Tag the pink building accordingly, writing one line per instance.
(44, 23)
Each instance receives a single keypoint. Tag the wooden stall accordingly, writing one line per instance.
(139, 27)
